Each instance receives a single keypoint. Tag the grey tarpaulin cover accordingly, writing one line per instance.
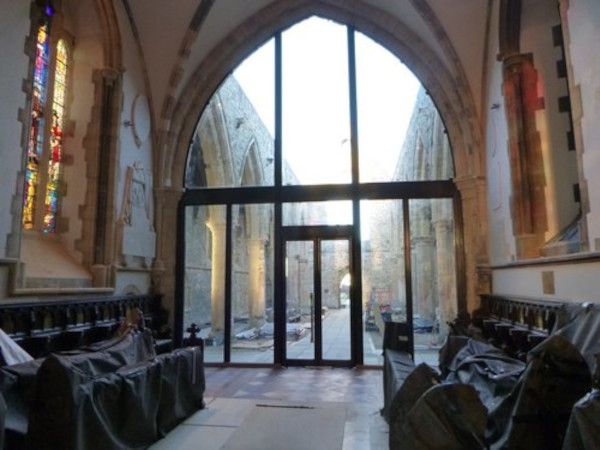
(18, 381)
(92, 402)
(17, 384)
(534, 415)
(414, 386)
(487, 368)
(583, 431)
(451, 347)
(542, 404)
(446, 416)
(182, 387)
(583, 331)
(396, 367)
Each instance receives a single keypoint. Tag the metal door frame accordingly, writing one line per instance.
(317, 234)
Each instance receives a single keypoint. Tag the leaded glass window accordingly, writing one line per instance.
(36, 132)
(44, 154)
(56, 136)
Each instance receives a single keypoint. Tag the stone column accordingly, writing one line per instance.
(445, 262)
(217, 228)
(528, 203)
(163, 267)
(476, 260)
(423, 288)
(256, 281)
(422, 264)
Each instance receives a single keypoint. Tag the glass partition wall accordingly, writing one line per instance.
(318, 204)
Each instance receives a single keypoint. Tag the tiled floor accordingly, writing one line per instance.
(232, 393)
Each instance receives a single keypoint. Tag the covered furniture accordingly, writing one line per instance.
(490, 395)
(116, 394)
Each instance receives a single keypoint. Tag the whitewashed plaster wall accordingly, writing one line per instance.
(573, 282)
(502, 242)
(14, 27)
(574, 278)
(584, 29)
(87, 56)
(135, 149)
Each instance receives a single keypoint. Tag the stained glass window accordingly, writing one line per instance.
(56, 134)
(45, 148)
(36, 132)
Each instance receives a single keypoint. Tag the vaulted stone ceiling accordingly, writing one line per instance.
(175, 37)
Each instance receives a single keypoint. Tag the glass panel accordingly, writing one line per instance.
(233, 143)
(317, 213)
(426, 154)
(204, 295)
(386, 91)
(299, 298)
(252, 330)
(315, 107)
(335, 299)
(256, 77)
(401, 134)
(433, 274)
(383, 282)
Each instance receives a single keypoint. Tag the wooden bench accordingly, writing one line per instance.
(517, 324)
(63, 324)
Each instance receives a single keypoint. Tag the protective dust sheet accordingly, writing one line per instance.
(290, 426)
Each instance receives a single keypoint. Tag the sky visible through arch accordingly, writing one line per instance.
(316, 123)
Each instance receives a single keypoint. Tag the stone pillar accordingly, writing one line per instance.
(256, 281)
(423, 287)
(422, 267)
(163, 267)
(109, 130)
(528, 204)
(217, 279)
(476, 260)
(445, 262)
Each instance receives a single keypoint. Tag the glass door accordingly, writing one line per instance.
(318, 296)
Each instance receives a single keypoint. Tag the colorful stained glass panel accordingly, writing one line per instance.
(56, 138)
(36, 132)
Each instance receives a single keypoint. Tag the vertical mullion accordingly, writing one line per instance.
(353, 105)
(317, 282)
(356, 263)
(228, 277)
(278, 253)
(278, 108)
(459, 252)
(179, 275)
(408, 272)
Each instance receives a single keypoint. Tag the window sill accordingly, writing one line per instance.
(574, 258)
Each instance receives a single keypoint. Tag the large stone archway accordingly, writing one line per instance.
(447, 87)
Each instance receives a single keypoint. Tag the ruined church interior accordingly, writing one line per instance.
(300, 224)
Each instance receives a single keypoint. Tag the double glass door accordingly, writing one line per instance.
(318, 295)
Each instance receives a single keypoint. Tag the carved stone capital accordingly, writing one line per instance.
(470, 185)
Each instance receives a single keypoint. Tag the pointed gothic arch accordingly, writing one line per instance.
(447, 87)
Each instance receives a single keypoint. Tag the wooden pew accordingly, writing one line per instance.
(517, 324)
(63, 324)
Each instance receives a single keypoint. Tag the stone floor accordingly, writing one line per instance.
(336, 345)
(231, 393)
